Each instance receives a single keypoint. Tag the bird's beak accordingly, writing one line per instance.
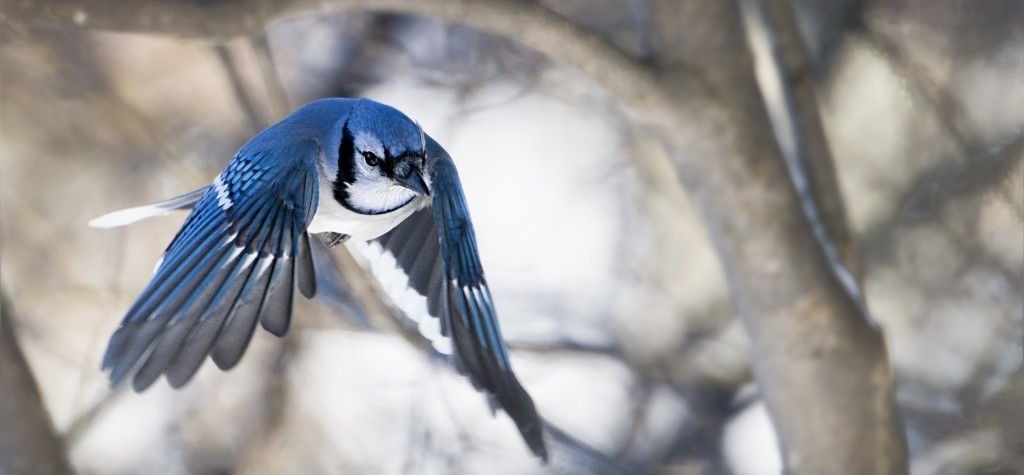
(413, 180)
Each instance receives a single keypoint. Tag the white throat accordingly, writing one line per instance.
(333, 217)
(377, 196)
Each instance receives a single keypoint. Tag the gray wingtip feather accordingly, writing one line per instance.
(241, 325)
(306, 268)
(275, 316)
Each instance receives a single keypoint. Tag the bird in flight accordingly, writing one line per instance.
(341, 169)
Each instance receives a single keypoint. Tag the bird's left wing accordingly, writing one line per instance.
(436, 249)
(235, 261)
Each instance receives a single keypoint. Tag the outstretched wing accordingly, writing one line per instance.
(235, 261)
(436, 249)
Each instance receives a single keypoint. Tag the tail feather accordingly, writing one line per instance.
(130, 215)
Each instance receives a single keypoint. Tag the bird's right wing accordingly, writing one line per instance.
(236, 261)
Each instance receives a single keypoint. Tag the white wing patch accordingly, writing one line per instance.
(223, 198)
(395, 283)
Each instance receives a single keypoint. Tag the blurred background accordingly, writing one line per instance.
(611, 297)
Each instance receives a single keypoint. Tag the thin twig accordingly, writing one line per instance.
(86, 419)
(566, 346)
(981, 162)
(582, 454)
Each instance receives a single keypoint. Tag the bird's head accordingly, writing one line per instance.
(381, 159)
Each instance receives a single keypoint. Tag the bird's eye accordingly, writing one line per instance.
(371, 158)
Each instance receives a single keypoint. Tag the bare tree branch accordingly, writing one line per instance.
(821, 367)
(84, 421)
(567, 345)
(932, 95)
(582, 455)
(786, 79)
(28, 443)
(943, 184)
(784, 74)
(981, 165)
(527, 22)
(952, 118)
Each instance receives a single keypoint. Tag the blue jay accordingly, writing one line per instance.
(348, 168)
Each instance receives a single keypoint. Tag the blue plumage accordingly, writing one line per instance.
(349, 167)
(233, 260)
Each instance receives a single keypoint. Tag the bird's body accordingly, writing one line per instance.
(348, 167)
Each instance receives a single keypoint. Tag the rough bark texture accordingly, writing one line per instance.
(821, 366)
(800, 134)
(28, 444)
(822, 204)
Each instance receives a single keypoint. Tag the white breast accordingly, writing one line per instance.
(331, 216)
